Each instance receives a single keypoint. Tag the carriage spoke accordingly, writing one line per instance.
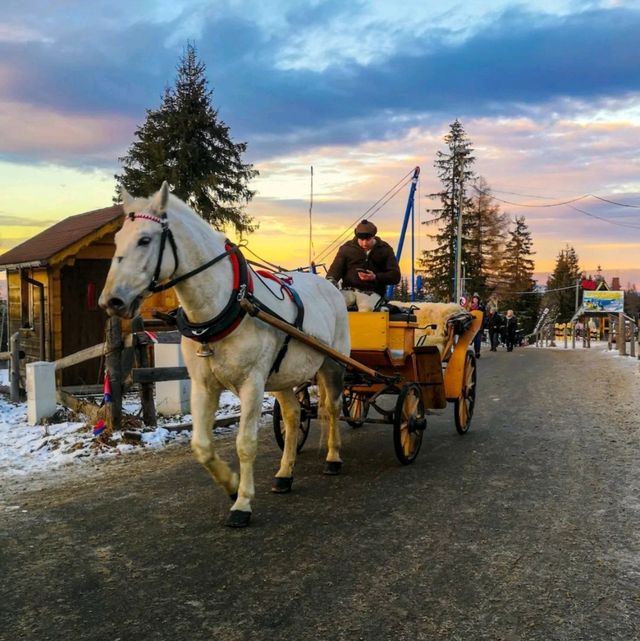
(409, 410)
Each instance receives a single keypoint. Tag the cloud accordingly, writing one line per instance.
(29, 132)
(7, 220)
(507, 64)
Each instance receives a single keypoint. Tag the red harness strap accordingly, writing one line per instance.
(283, 281)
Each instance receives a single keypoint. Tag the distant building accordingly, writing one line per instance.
(54, 280)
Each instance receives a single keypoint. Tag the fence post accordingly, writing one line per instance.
(113, 367)
(632, 340)
(146, 389)
(573, 335)
(565, 337)
(610, 335)
(622, 336)
(14, 370)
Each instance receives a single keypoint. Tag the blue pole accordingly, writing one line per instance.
(413, 243)
(407, 212)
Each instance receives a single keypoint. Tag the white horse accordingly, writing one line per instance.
(163, 243)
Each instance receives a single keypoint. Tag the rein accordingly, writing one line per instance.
(230, 317)
(167, 234)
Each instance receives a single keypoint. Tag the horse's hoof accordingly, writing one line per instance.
(238, 518)
(332, 468)
(233, 497)
(282, 485)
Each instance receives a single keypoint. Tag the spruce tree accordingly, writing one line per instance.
(561, 285)
(485, 245)
(185, 143)
(517, 288)
(455, 173)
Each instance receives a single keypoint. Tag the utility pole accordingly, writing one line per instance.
(459, 238)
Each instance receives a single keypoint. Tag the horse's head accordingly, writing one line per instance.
(142, 256)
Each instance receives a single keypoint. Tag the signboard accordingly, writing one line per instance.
(603, 301)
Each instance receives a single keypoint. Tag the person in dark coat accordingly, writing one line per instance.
(477, 339)
(366, 263)
(511, 329)
(494, 325)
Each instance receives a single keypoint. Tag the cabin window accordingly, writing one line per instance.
(26, 303)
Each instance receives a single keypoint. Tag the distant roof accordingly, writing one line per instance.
(41, 247)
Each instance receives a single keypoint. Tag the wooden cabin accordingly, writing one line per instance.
(54, 281)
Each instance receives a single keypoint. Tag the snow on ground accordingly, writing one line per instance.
(26, 449)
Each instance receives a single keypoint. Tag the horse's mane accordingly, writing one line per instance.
(184, 213)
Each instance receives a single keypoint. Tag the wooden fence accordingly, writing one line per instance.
(127, 360)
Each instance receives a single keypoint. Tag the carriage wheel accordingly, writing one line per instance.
(463, 409)
(306, 414)
(409, 423)
(356, 407)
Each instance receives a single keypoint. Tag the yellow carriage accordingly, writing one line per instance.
(387, 359)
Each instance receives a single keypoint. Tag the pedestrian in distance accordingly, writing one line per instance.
(477, 339)
(511, 329)
(495, 321)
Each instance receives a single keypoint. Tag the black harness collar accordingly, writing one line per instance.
(229, 318)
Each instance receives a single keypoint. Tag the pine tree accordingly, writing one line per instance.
(185, 143)
(401, 290)
(517, 287)
(455, 173)
(561, 285)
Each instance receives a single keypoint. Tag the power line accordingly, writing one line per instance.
(566, 203)
(613, 202)
(508, 202)
(374, 209)
(606, 220)
(571, 200)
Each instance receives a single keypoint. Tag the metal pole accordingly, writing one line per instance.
(413, 250)
(575, 311)
(405, 221)
(459, 241)
(621, 338)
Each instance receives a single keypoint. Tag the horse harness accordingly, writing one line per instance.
(230, 317)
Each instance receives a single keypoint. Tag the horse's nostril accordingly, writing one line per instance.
(116, 303)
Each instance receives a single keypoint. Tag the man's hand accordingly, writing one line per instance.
(366, 275)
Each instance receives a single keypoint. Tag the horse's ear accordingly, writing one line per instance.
(126, 198)
(161, 199)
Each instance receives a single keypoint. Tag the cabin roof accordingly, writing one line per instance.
(38, 250)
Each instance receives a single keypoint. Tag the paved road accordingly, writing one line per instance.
(527, 528)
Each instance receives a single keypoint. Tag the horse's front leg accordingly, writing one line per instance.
(251, 395)
(204, 405)
(290, 407)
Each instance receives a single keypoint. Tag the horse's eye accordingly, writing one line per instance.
(144, 241)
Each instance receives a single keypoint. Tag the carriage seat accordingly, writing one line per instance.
(433, 322)
(380, 332)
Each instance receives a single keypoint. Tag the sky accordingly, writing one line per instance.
(547, 91)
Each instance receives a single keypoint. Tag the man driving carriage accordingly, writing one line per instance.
(366, 263)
